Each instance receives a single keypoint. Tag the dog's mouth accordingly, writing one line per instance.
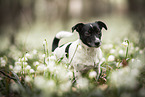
(94, 45)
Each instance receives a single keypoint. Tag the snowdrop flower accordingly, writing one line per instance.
(11, 67)
(111, 58)
(51, 67)
(17, 68)
(34, 52)
(92, 74)
(103, 59)
(52, 57)
(27, 67)
(125, 44)
(24, 59)
(83, 83)
(65, 87)
(141, 51)
(125, 77)
(39, 82)
(44, 42)
(27, 55)
(61, 73)
(3, 62)
(121, 52)
(137, 48)
(36, 63)
(32, 71)
(43, 55)
(17, 63)
(51, 60)
(51, 84)
(112, 51)
(118, 64)
(132, 60)
(40, 68)
(25, 63)
(136, 64)
(28, 79)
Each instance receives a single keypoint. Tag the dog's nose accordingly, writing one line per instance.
(97, 43)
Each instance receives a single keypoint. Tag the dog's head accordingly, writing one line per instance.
(90, 33)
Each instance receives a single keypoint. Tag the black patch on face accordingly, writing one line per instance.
(90, 33)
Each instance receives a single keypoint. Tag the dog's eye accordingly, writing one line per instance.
(87, 34)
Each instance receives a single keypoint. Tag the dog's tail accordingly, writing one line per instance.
(60, 35)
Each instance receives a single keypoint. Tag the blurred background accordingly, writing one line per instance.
(26, 23)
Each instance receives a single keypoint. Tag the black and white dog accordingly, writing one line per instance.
(84, 52)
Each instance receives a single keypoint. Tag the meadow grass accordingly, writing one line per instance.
(42, 74)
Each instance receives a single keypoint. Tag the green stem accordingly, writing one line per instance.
(126, 53)
(127, 49)
(44, 53)
(73, 55)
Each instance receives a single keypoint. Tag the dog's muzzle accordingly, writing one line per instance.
(97, 42)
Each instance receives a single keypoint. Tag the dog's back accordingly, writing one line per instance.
(59, 36)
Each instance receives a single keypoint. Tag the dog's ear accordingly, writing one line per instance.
(78, 27)
(101, 25)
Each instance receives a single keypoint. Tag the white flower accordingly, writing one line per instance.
(28, 78)
(39, 82)
(83, 83)
(27, 55)
(18, 63)
(118, 64)
(3, 62)
(25, 63)
(43, 55)
(34, 52)
(61, 73)
(125, 44)
(112, 51)
(103, 59)
(92, 74)
(32, 71)
(141, 51)
(52, 57)
(28, 67)
(11, 67)
(17, 68)
(44, 42)
(24, 59)
(36, 63)
(111, 58)
(125, 77)
(41, 68)
(65, 87)
(121, 52)
(137, 48)
(51, 84)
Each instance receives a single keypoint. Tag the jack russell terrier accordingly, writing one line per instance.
(84, 53)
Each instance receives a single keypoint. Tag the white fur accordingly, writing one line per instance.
(63, 34)
(80, 56)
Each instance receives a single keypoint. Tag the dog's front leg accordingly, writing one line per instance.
(99, 69)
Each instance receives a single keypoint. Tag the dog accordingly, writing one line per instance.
(85, 52)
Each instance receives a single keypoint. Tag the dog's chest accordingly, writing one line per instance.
(83, 56)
